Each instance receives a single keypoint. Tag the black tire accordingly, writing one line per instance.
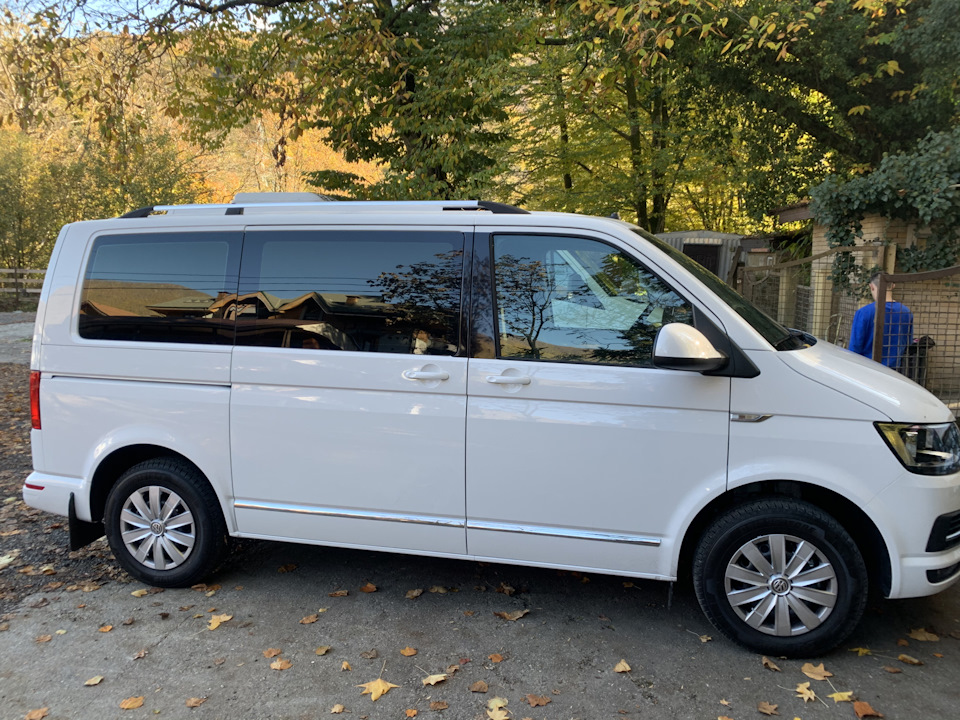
(738, 580)
(175, 532)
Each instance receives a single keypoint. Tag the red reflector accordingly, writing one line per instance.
(35, 400)
(33, 487)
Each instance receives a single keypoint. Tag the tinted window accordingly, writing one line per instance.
(160, 287)
(376, 291)
(578, 300)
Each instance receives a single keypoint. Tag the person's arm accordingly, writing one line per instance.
(859, 332)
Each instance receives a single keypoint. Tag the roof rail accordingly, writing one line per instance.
(239, 208)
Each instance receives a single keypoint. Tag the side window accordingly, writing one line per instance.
(160, 287)
(375, 291)
(578, 300)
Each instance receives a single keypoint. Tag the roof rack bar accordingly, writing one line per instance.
(334, 205)
(501, 208)
(139, 212)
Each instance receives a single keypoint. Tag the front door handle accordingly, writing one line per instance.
(508, 379)
(426, 375)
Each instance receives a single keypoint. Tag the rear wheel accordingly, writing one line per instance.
(781, 577)
(164, 524)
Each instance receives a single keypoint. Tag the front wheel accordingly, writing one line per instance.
(164, 523)
(781, 577)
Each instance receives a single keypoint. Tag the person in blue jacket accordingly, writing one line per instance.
(897, 327)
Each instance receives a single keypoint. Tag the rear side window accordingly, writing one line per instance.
(161, 287)
(362, 290)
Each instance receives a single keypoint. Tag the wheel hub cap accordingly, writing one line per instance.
(781, 585)
(157, 527)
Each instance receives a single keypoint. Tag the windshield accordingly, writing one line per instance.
(772, 331)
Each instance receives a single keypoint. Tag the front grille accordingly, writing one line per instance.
(945, 533)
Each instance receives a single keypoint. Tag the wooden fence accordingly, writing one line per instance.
(20, 281)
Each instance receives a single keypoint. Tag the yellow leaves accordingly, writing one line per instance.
(309, 619)
(413, 594)
(537, 700)
(861, 651)
(839, 697)
(769, 664)
(909, 660)
(863, 709)
(281, 664)
(622, 667)
(139, 593)
(439, 589)
(217, 620)
(132, 703)
(369, 588)
(323, 649)
(337, 709)
(408, 652)
(438, 705)
(106, 628)
(479, 687)
(376, 688)
(271, 652)
(195, 702)
(410, 713)
(891, 68)
(496, 658)
(44, 638)
(858, 110)
(339, 593)
(39, 714)
(923, 636)
(95, 680)
(815, 672)
(767, 708)
(434, 679)
(892, 670)
(803, 691)
(345, 666)
(512, 616)
(496, 709)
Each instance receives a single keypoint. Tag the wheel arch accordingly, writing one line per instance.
(853, 519)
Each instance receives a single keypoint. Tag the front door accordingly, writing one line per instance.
(580, 452)
(348, 404)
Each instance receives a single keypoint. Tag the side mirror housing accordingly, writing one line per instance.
(682, 347)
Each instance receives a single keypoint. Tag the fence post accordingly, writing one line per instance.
(16, 283)
(879, 318)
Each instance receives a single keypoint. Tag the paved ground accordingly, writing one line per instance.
(73, 617)
(16, 329)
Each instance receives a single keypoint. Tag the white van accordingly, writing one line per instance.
(470, 380)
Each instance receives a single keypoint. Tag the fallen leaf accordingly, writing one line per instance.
(411, 713)
(217, 620)
(195, 702)
(376, 688)
(769, 664)
(513, 616)
(413, 594)
(139, 593)
(106, 628)
(64, 632)
(220, 661)
(345, 666)
(863, 709)
(923, 636)
(479, 687)
(469, 613)
(289, 567)
(44, 638)
(434, 679)
(132, 703)
(129, 621)
(724, 717)
(339, 593)
(815, 672)
(725, 702)
(95, 680)
(309, 619)
(37, 714)
(438, 589)
(938, 655)
(495, 709)
(536, 700)
(892, 670)
(804, 691)
(705, 638)
(622, 667)
(902, 643)
(323, 649)
(271, 652)
(909, 660)
(861, 651)
(438, 705)
(369, 588)
(337, 709)
(496, 658)
(839, 697)
(451, 669)
(505, 589)
(767, 709)
(140, 655)
(370, 654)
(281, 664)
(408, 652)
(4, 627)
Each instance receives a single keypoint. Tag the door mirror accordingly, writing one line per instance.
(682, 347)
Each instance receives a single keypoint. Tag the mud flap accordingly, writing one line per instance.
(82, 532)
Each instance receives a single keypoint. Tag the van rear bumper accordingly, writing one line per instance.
(52, 494)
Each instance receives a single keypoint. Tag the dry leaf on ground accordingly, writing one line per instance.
(496, 709)
(839, 697)
(376, 688)
(496, 658)
(909, 660)
(95, 680)
(195, 702)
(536, 700)
(512, 616)
(434, 679)
(323, 649)
(106, 628)
(767, 708)
(132, 703)
(44, 638)
(622, 667)
(505, 589)
(412, 594)
(892, 670)
(345, 666)
(217, 620)
(339, 593)
(922, 635)
(902, 643)
(281, 664)
(271, 652)
(408, 651)
(815, 672)
(337, 709)
(479, 687)
(863, 709)
(38, 714)
(139, 593)
(309, 619)
(289, 567)
(411, 713)
(438, 589)
(370, 654)
(369, 588)
(861, 651)
(141, 654)
(437, 705)
(804, 691)
(770, 664)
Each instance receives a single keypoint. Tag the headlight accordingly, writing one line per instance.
(924, 449)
